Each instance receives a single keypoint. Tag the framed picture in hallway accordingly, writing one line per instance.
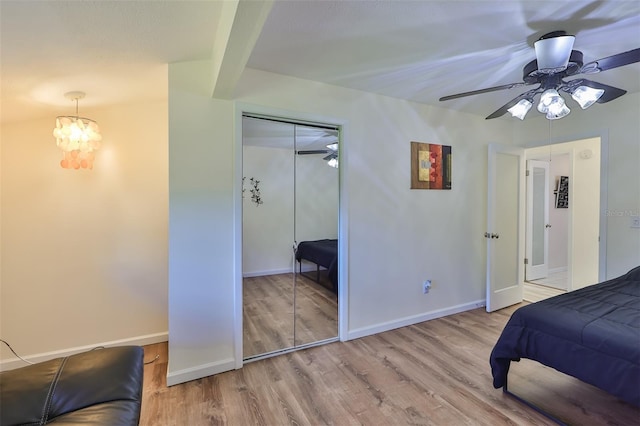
(562, 193)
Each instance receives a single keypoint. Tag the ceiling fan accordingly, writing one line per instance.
(332, 150)
(555, 60)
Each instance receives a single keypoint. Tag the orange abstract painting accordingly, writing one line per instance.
(430, 166)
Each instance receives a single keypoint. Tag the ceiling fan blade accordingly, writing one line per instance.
(614, 61)
(313, 151)
(503, 109)
(330, 156)
(477, 92)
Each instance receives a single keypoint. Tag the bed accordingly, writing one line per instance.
(323, 253)
(592, 334)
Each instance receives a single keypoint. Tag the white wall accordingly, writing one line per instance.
(84, 258)
(267, 230)
(201, 214)
(397, 237)
(616, 123)
(585, 215)
(316, 199)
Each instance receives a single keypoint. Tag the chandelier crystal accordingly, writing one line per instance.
(77, 137)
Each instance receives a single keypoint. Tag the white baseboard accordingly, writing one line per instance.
(263, 273)
(305, 268)
(415, 319)
(149, 339)
(200, 371)
(556, 270)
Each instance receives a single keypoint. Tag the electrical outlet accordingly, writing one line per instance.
(426, 286)
(635, 221)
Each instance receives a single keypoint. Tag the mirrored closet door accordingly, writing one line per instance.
(290, 233)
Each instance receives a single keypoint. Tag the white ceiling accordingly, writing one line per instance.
(117, 51)
(114, 51)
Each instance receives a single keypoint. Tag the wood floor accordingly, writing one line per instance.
(552, 285)
(536, 292)
(270, 321)
(433, 373)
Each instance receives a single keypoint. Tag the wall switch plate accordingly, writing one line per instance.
(635, 221)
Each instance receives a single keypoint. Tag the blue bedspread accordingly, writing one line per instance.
(323, 253)
(592, 334)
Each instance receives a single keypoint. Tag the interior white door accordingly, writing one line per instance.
(538, 226)
(505, 217)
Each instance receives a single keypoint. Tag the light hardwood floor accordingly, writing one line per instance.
(433, 373)
(544, 288)
(536, 292)
(270, 321)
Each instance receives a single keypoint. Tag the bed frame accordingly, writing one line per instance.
(323, 253)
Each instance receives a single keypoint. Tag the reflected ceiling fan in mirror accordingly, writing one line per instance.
(555, 60)
(332, 150)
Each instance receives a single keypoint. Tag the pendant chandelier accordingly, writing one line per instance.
(77, 137)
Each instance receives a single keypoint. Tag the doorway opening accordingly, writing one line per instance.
(563, 218)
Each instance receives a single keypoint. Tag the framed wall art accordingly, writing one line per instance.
(562, 193)
(430, 166)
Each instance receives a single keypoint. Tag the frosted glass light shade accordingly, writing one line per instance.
(521, 109)
(558, 112)
(586, 96)
(553, 53)
(550, 101)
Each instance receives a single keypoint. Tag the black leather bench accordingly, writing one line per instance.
(99, 387)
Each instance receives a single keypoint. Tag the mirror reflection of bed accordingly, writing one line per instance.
(290, 207)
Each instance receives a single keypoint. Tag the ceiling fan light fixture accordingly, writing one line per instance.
(521, 109)
(332, 159)
(558, 112)
(586, 96)
(553, 53)
(550, 101)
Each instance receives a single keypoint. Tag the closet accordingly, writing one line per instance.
(290, 206)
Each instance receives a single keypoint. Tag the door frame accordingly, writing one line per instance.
(241, 108)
